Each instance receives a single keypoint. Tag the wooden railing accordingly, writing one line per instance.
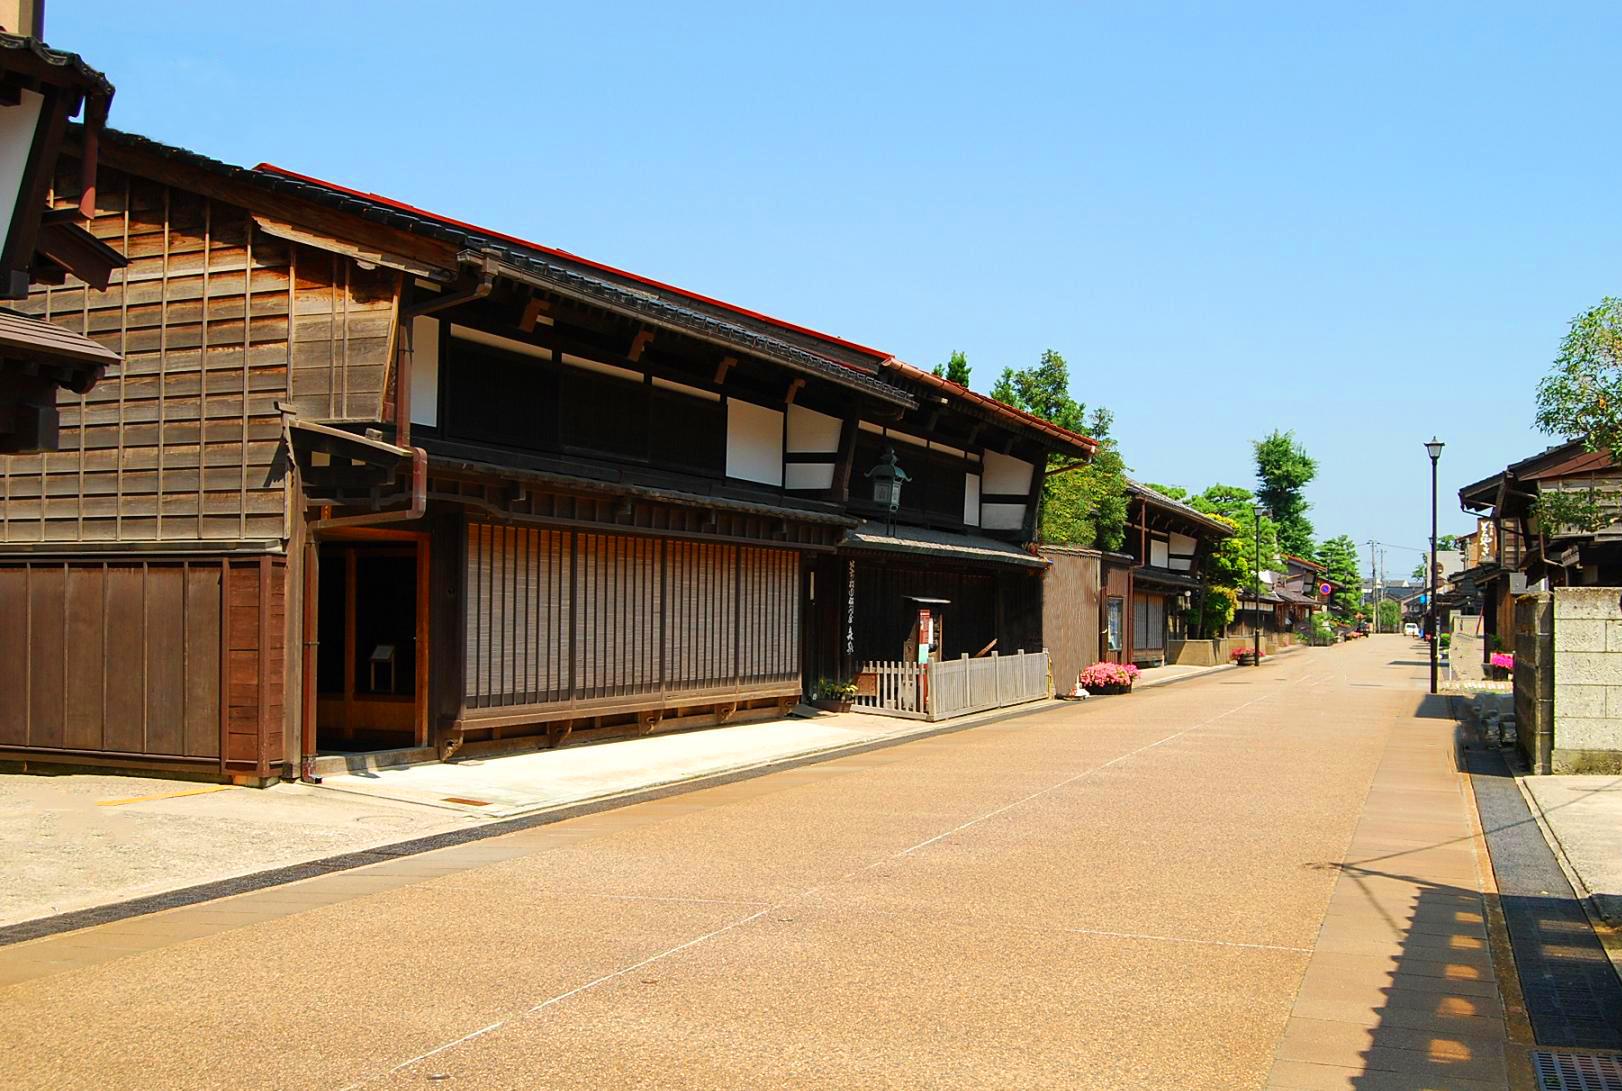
(941, 690)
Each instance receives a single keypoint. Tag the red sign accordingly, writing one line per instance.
(1324, 588)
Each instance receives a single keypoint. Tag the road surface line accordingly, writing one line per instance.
(785, 903)
(1067, 781)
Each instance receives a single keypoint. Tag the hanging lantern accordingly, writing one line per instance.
(887, 480)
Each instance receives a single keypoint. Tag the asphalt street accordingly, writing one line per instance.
(1122, 894)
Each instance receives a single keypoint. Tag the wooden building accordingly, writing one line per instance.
(1515, 552)
(372, 478)
(1168, 542)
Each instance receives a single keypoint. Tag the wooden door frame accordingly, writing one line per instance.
(360, 535)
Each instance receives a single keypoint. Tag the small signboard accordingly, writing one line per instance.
(867, 684)
(1325, 588)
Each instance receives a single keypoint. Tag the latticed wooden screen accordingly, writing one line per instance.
(556, 616)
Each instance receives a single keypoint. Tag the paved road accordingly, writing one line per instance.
(1118, 895)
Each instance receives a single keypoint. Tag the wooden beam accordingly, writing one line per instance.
(532, 314)
(793, 389)
(638, 343)
(726, 365)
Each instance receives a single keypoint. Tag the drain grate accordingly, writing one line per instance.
(1576, 1071)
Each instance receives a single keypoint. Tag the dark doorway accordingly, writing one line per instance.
(372, 645)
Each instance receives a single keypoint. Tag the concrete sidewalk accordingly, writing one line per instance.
(1582, 817)
(519, 784)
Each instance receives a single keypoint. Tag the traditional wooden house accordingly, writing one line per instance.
(1128, 607)
(1168, 542)
(1515, 551)
(40, 90)
(373, 478)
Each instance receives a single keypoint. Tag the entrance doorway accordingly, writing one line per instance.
(372, 652)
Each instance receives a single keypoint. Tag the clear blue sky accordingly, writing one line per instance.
(1364, 226)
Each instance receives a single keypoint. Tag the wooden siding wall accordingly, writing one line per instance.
(129, 658)
(558, 616)
(183, 440)
(1071, 619)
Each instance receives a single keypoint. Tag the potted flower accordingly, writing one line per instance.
(834, 696)
(1108, 677)
(1502, 665)
(1244, 655)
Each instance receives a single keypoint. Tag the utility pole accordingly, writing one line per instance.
(1374, 587)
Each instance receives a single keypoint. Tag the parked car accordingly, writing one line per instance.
(1411, 629)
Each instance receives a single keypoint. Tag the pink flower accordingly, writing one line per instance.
(1505, 660)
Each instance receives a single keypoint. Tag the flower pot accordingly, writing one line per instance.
(1109, 690)
(833, 704)
(1246, 660)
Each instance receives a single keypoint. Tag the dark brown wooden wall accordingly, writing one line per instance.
(558, 616)
(130, 659)
(1070, 614)
(217, 322)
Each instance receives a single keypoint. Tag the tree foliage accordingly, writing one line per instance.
(1283, 471)
(1390, 615)
(1581, 396)
(1339, 557)
(955, 369)
(1042, 390)
(1085, 506)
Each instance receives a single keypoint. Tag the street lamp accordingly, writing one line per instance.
(1256, 622)
(1434, 449)
(887, 480)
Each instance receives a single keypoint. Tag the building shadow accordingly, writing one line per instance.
(1440, 1020)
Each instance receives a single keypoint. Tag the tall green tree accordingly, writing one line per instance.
(1581, 396)
(1283, 471)
(955, 369)
(1238, 506)
(1084, 506)
(1043, 390)
(1339, 557)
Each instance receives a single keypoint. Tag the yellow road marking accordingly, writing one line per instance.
(166, 795)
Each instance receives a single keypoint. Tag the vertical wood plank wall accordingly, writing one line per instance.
(557, 616)
(1070, 614)
(217, 322)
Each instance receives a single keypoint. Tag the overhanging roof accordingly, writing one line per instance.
(1160, 500)
(71, 359)
(927, 542)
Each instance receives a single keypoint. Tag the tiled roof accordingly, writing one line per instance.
(1160, 499)
(658, 303)
(1083, 445)
(90, 81)
(29, 337)
(937, 543)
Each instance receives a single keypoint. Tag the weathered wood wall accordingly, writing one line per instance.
(217, 322)
(557, 619)
(132, 657)
(1070, 613)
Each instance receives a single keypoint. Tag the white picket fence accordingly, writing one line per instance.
(939, 691)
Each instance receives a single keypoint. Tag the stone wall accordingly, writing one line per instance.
(1533, 642)
(1587, 680)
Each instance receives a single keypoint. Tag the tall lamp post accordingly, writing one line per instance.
(1434, 449)
(1257, 620)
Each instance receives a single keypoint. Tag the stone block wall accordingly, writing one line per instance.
(1587, 680)
(1534, 679)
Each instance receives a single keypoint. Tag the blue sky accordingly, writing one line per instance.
(1364, 225)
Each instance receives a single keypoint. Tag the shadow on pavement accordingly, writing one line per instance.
(1441, 1019)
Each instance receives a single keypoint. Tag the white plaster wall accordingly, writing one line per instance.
(754, 442)
(425, 371)
(810, 431)
(1159, 553)
(1004, 474)
(971, 499)
(1182, 543)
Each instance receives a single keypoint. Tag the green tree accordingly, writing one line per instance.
(1390, 615)
(955, 370)
(1283, 471)
(1043, 390)
(1238, 506)
(1581, 396)
(1339, 557)
(1084, 506)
